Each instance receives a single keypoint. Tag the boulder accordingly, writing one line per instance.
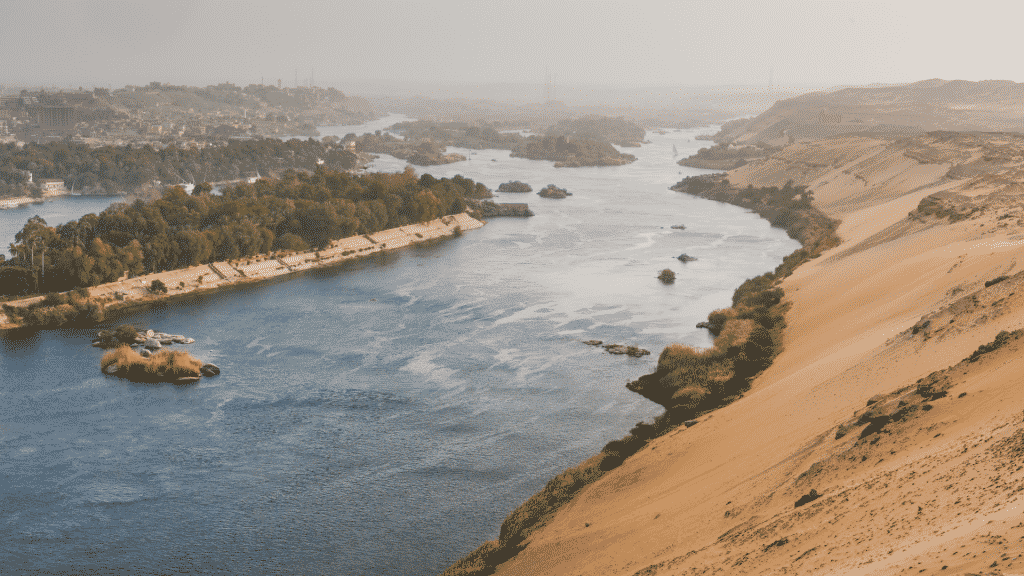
(111, 370)
(152, 344)
(145, 353)
(209, 370)
(187, 380)
(686, 258)
(593, 342)
(678, 227)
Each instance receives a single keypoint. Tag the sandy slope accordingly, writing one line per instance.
(943, 487)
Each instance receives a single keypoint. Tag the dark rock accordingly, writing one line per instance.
(187, 380)
(686, 258)
(593, 342)
(689, 423)
(703, 325)
(515, 186)
(876, 399)
(623, 349)
(111, 370)
(552, 191)
(209, 370)
(678, 227)
(809, 497)
(145, 353)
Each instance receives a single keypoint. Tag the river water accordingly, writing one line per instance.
(377, 418)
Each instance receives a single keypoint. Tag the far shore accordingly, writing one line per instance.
(216, 276)
(15, 202)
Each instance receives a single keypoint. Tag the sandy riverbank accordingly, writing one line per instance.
(932, 484)
(222, 275)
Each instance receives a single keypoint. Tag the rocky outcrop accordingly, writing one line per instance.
(515, 186)
(686, 258)
(552, 191)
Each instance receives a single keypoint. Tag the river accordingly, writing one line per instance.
(377, 418)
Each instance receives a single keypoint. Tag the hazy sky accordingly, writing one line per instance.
(619, 43)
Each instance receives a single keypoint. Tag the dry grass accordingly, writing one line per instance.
(165, 365)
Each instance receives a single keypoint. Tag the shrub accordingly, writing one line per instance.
(158, 287)
(165, 365)
(994, 281)
(126, 333)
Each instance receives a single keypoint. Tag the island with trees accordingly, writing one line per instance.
(585, 141)
(124, 169)
(275, 224)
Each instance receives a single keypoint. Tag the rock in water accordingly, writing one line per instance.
(111, 370)
(678, 227)
(593, 342)
(152, 344)
(552, 191)
(686, 258)
(209, 370)
(187, 380)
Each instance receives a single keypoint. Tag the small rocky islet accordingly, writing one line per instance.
(632, 351)
(143, 356)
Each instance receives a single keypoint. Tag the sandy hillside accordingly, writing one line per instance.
(931, 475)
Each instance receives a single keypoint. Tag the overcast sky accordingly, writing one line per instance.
(617, 43)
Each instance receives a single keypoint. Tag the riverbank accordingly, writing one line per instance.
(216, 276)
(798, 475)
(688, 383)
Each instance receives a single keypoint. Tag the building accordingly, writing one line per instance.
(52, 186)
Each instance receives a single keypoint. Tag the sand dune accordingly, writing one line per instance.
(904, 296)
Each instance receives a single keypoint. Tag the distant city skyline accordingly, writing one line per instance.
(581, 43)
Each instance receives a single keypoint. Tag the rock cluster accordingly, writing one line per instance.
(686, 258)
(552, 191)
(633, 351)
(148, 339)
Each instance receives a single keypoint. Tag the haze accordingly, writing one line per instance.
(614, 44)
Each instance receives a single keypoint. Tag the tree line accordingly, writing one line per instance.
(297, 211)
(121, 169)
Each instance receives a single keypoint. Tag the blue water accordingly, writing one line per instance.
(377, 418)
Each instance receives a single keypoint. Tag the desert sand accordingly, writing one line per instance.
(936, 485)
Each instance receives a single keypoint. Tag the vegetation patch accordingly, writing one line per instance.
(58, 309)
(175, 366)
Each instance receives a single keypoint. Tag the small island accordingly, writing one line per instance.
(552, 191)
(175, 366)
(515, 186)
